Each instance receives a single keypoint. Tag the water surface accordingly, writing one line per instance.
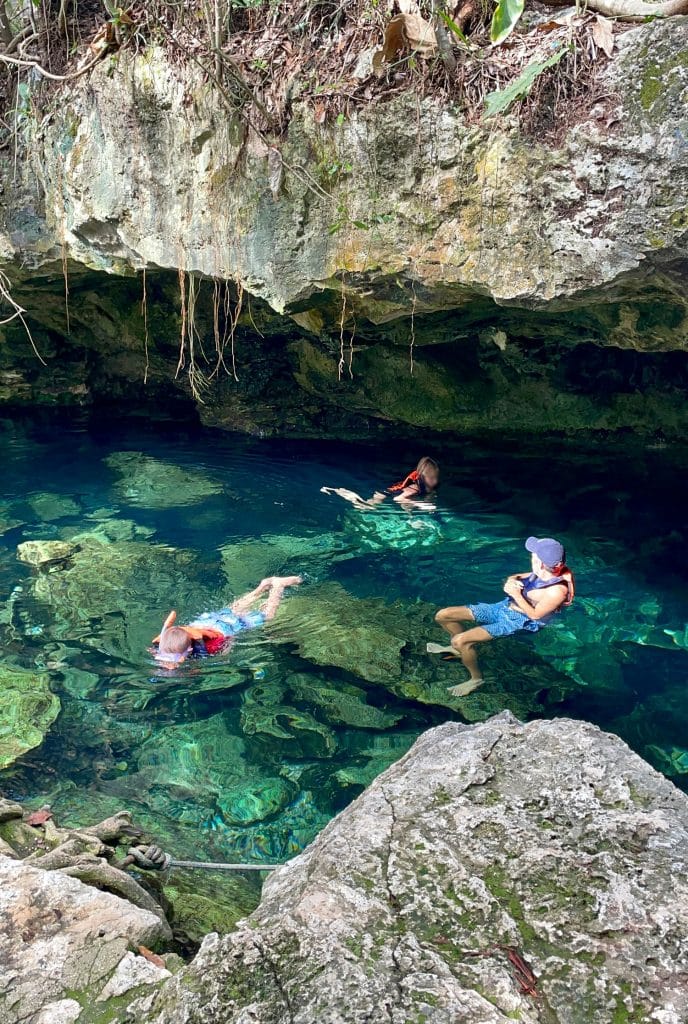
(249, 754)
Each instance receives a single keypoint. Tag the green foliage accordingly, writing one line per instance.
(499, 101)
(505, 18)
(453, 27)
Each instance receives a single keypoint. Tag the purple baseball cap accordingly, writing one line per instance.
(549, 551)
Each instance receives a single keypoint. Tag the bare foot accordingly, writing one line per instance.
(439, 649)
(463, 689)
(288, 581)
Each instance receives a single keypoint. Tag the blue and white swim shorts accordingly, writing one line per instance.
(228, 622)
(501, 620)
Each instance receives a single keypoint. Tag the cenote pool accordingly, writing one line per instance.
(247, 755)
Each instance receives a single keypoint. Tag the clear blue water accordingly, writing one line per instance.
(247, 755)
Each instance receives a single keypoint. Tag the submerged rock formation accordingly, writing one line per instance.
(407, 265)
(496, 872)
(28, 708)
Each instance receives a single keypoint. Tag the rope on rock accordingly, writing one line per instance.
(153, 858)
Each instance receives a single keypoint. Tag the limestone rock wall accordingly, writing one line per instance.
(521, 272)
(550, 840)
(141, 165)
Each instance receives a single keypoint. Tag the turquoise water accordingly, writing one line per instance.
(247, 755)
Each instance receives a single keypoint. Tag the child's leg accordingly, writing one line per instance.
(343, 492)
(453, 621)
(278, 585)
(464, 644)
(243, 604)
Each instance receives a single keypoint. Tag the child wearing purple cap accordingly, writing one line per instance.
(533, 599)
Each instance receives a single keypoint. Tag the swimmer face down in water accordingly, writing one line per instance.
(214, 632)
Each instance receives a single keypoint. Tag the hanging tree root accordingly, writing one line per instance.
(633, 10)
(88, 854)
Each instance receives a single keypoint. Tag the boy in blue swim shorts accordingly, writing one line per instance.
(213, 632)
(533, 599)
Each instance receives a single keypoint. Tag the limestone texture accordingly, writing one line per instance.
(60, 936)
(450, 272)
(606, 203)
(550, 841)
(132, 971)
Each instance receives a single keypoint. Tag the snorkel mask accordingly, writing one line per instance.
(168, 657)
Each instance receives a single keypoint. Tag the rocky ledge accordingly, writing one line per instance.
(497, 872)
(406, 267)
(415, 205)
(76, 929)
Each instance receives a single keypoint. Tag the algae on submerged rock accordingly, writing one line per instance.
(344, 705)
(245, 563)
(48, 506)
(331, 627)
(276, 726)
(198, 774)
(27, 710)
(102, 592)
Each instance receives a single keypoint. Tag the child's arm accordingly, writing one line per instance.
(545, 606)
(408, 493)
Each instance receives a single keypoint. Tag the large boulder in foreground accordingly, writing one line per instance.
(551, 840)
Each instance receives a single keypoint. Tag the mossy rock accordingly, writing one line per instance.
(210, 901)
(345, 705)
(27, 710)
(109, 585)
(267, 719)
(245, 564)
(331, 627)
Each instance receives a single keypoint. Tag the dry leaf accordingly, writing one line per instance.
(603, 34)
(320, 113)
(38, 817)
(406, 31)
(153, 957)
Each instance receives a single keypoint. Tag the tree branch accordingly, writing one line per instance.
(442, 36)
(33, 62)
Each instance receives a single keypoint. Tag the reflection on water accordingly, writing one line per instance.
(247, 755)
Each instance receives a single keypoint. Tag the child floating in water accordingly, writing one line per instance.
(213, 632)
(415, 487)
(533, 599)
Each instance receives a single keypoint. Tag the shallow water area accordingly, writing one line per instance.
(246, 756)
